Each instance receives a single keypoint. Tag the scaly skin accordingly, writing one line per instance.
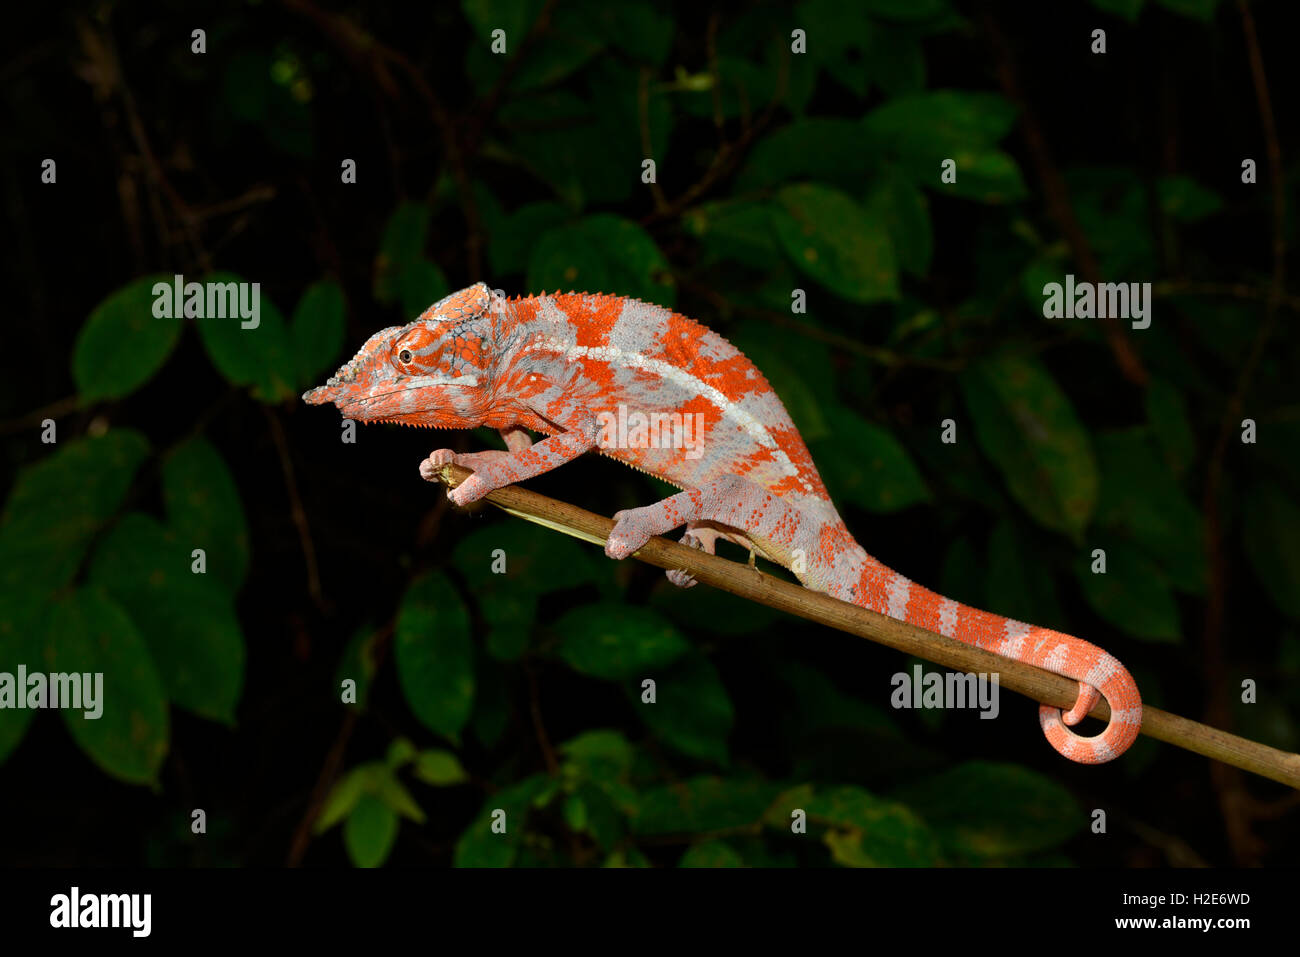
(561, 364)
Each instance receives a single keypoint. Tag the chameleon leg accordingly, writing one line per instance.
(507, 468)
(730, 501)
(517, 439)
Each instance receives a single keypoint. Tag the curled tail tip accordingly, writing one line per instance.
(1120, 731)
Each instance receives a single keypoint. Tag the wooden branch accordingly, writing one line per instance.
(750, 583)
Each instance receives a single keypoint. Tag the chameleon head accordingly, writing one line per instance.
(433, 372)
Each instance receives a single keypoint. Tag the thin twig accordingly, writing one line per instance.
(333, 762)
(1057, 195)
(324, 783)
(296, 509)
(754, 585)
(535, 710)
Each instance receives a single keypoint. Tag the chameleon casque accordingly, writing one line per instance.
(559, 364)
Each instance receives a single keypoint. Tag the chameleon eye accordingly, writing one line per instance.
(404, 355)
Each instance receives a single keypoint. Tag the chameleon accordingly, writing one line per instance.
(565, 365)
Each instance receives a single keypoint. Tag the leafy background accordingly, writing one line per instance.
(775, 171)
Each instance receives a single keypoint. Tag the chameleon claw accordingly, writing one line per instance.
(680, 576)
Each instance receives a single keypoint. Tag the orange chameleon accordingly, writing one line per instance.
(567, 365)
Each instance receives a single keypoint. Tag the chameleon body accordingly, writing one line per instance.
(565, 364)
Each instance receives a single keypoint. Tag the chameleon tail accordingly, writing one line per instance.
(1098, 673)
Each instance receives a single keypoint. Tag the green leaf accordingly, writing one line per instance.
(510, 244)
(822, 705)
(1271, 533)
(877, 474)
(1183, 199)
(343, 797)
(122, 343)
(22, 634)
(1141, 502)
(1114, 209)
(1131, 595)
(824, 149)
(615, 641)
(491, 707)
(358, 664)
(90, 633)
(439, 768)
(1196, 9)
(836, 242)
(1027, 426)
(401, 752)
(936, 124)
(316, 330)
(480, 845)
(187, 620)
(704, 803)
(710, 854)
(864, 830)
(1018, 582)
(511, 556)
(921, 131)
(258, 356)
(907, 9)
(394, 794)
(987, 176)
(401, 247)
(1128, 9)
(736, 230)
(902, 207)
(635, 27)
(370, 832)
(507, 564)
(419, 286)
(434, 652)
(985, 811)
(600, 755)
(569, 43)
(692, 712)
(204, 509)
(602, 253)
(58, 504)
(563, 140)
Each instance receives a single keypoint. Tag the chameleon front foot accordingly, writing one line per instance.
(432, 466)
(475, 486)
(630, 533)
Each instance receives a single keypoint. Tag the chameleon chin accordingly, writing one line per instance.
(561, 364)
